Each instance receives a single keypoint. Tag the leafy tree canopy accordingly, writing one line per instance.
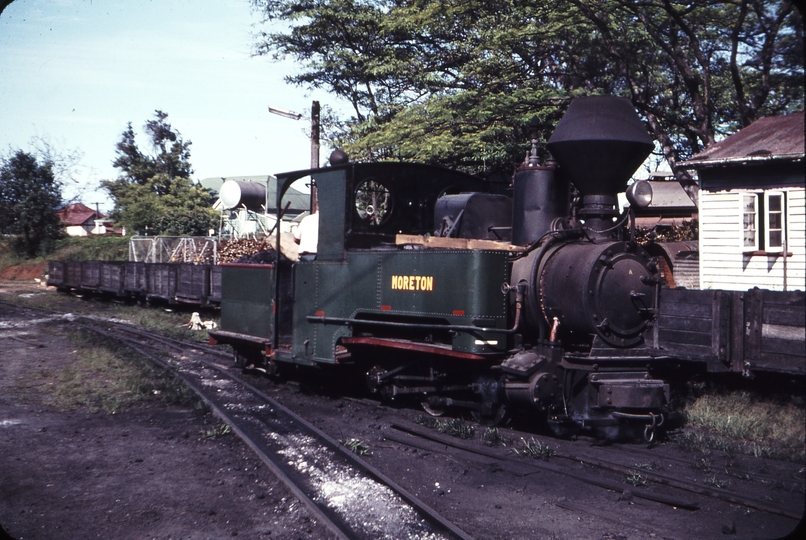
(30, 194)
(457, 82)
(154, 193)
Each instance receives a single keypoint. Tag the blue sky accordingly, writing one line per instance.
(76, 71)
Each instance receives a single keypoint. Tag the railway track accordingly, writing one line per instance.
(666, 489)
(663, 495)
(350, 497)
(588, 473)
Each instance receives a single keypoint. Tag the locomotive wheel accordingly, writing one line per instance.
(490, 415)
(432, 408)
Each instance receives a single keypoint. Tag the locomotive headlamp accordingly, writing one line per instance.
(639, 194)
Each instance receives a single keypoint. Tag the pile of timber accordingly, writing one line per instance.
(256, 250)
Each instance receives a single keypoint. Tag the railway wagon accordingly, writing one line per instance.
(215, 284)
(161, 279)
(112, 278)
(193, 284)
(135, 284)
(429, 288)
(168, 282)
(73, 274)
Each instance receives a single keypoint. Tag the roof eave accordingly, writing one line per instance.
(708, 163)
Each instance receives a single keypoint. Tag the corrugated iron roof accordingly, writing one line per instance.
(769, 138)
(77, 214)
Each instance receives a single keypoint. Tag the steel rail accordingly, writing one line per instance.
(655, 477)
(329, 517)
(612, 486)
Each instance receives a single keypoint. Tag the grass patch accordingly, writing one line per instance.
(742, 422)
(449, 426)
(91, 248)
(106, 376)
(492, 437)
(84, 248)
(715, 482)
(636, 479)
(534, 449)
(356, 446)
(219, 430)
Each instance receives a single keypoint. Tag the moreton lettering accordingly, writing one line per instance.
(412, 283)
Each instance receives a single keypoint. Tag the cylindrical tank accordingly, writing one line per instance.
(235, 194)
(606, 289)
(538, 198)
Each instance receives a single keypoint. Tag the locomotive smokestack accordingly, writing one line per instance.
(598, 144)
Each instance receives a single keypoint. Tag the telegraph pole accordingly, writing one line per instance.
(314, 139)
(314, 150)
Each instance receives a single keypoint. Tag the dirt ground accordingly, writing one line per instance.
(24, 272)
(151, 471)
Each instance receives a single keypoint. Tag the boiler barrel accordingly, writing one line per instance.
(605, 289)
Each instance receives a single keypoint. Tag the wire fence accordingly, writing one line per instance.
(183, 249)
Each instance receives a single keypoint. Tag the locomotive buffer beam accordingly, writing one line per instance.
(630, 392)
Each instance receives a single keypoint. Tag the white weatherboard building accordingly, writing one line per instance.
(752, 207)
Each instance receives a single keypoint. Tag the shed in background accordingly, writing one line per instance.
(752, 207)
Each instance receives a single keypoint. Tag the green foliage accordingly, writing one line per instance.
(29, 196)
(741, 415)
(220, 430)
(745, 423)
(154, 193)
(456, 82)
(91, 248)
(689, 230)
(356, 446)
(637, 479)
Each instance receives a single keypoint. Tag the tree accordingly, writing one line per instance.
(458, 81)
(29, 197)
(701, 69)
(154, 193)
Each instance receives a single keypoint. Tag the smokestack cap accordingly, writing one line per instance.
(599, 143)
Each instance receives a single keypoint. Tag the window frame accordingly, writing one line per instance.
(742, 227)
(767, 229)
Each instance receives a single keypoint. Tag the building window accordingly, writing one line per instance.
(749, 208)
(776, 231)
(763, 221)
